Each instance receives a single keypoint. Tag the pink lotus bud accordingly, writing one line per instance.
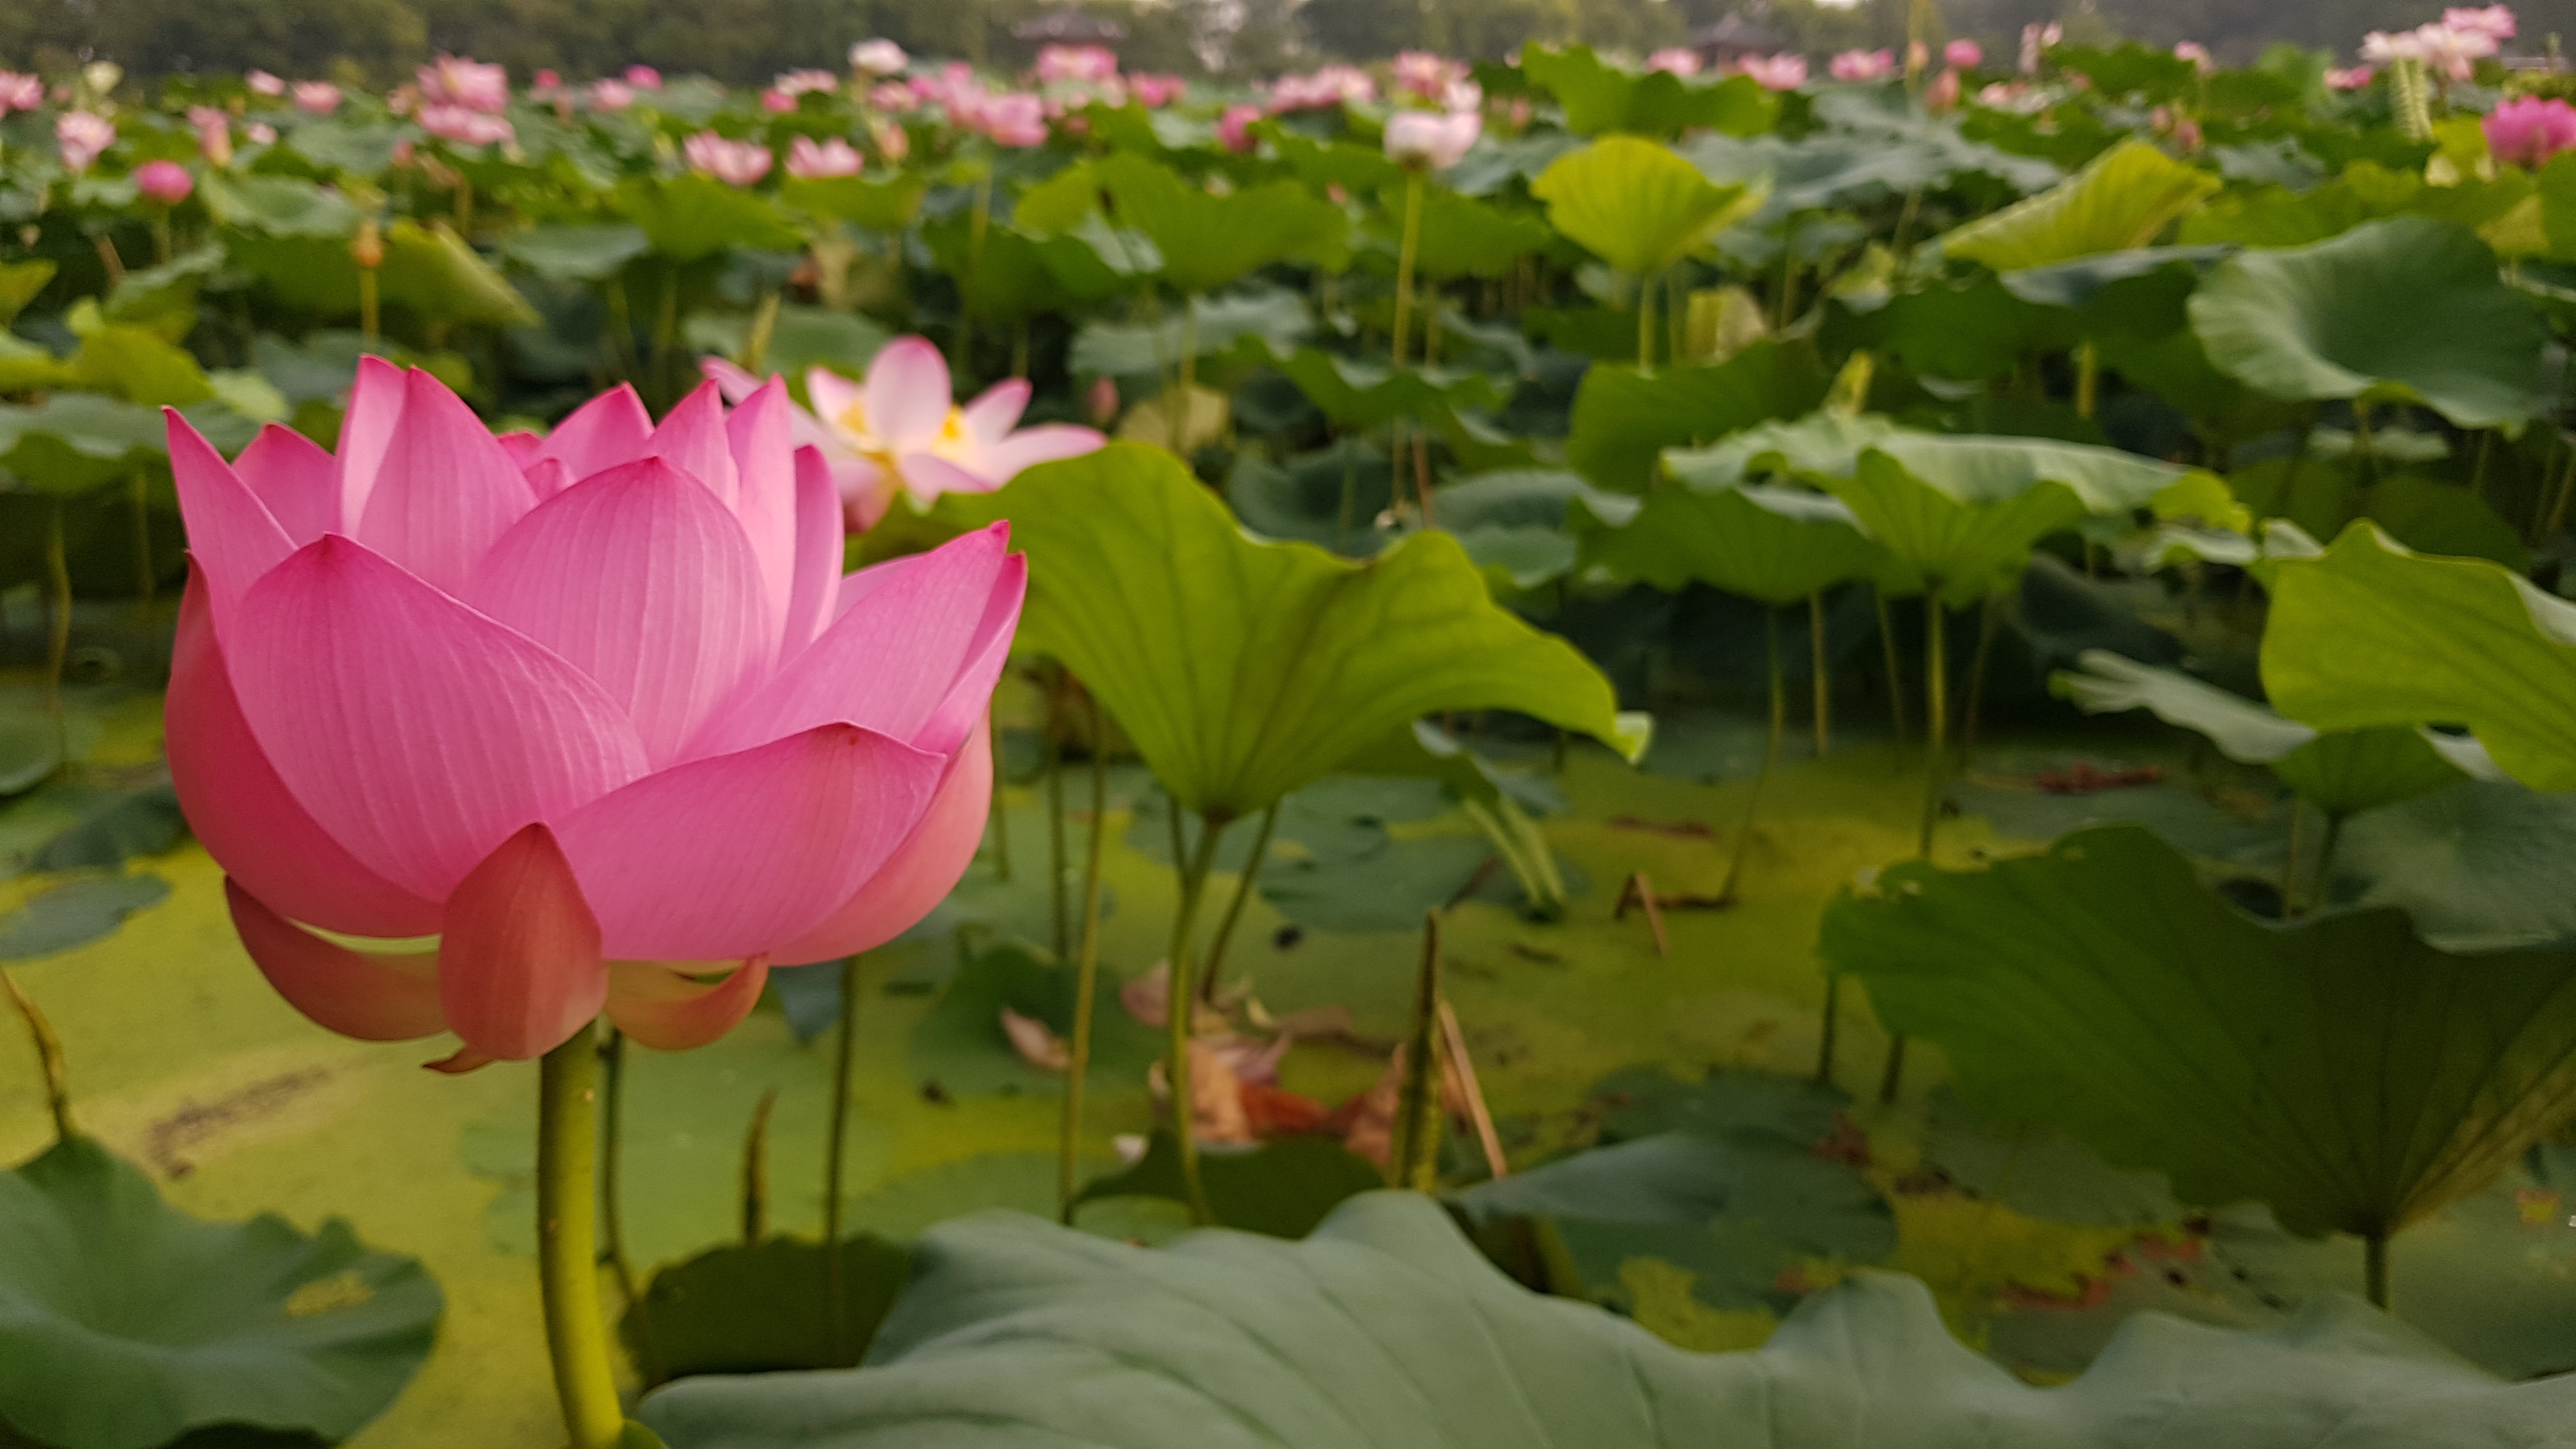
(2036, 42)
(611, 95)
(2527, 130)
(735, 163)
(644, 77)
(1943, 93)
(261, 83)
(777, 102)
(1234, 128)
(1917, 56)
(214, 134)
(1431, 140)
(878, 58)
(2354, 78)
(318, 98)
(2202, 63)
(261, 133)
(547, 79)
(1101, 401)
(20, 92)
(1965, 54)
(83, 138)
(835, 157)
(164, 182)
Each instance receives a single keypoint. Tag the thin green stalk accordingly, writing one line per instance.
(1243, 888)
(1833, 1023)
(1989, 617)
(1055, 834)
(1185, 419)
(835, 1279)
(1646, 326)
(2325, 861)
(1936, 709)
(1404, 261)
(2088, 379)
(1895, 670)
(1350, 494)
(620, 340)
(1001, 807)
(2486, 453)
(1086, 978)
(49, 1058)
(1416, 1159)
(58, 643)
(612, 1216)
(2566, 490)
(1770, 754)
(1824, 680)
(2290, 860)
(1181, 1006)
(666, 330)
(2362, 440)
(2374, 1270)
(568, 1245)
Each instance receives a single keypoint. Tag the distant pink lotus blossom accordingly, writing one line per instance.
(777, 102)
(261, 83)
(1234, 128)
(735, 163)
(2198, 54)
(893, 142)
(1431, 140)
(1965, 54)
(20, 92)
(1013, 118)
(1863, 65)
(399, 707)
(546, 81)
(807, 82)
(319, 98)
(165, 182)
(464, 126)
(1782, 72)
(2452, 54)
(644, 77)
(460, 81)
(214, 134)
(2350, 79)
(1154, 92)
(812, 161)
(261, 133)
(2528, 130)
(1422, 73)
(2037, 41)
(894, 98)
(83, 138)
(1674, 60)
(1942, 94)
(1326, 87)
(1093, 63)
(879, 57)
(2494, 21)
(901, 432)
(611, 95)
(1100, 401)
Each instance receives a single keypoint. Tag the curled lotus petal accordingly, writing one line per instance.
(668, 1009)
(369, 995)
(519, 966)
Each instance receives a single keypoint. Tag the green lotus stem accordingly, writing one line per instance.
(1416, 1159)
(58, 640)
(1243, 888)
(620, 340)
(49, 1057)
(1350, 494)
(2325, 860)
(1055, 833)
(756, 337)
(568, 1245)
(1788, 296)
(1020, 351)
(465, 206)
(1833, 1022)
(1180, 1005)
(2362, 440)
(666, 329)
(2558, 509)
(1936, 708)
(2478, 476)
(1989, 617)
(1086, 976)
(2290, 861)
(1646, 326)
(1895, 669)
(755, 1172)
(1824, 681)
(2088, 379)
(1001, 807)
(1178, 424)
(1770, 754)
(1405, 254)
(161, 237)
(612, 1216)
(1676, 316)
(835, 1153)
(370, 309)
(2410, 99)
(2374, 1270)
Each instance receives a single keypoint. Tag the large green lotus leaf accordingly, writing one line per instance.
(690, 217)
(1636, 205)
(1984, 468)
(2340, 1070)
(1355, 395)
(2443, 518)
(1304, 496)
(75, 441)
(125, 1323)
(2409, 309)
(2120, 202)
(19, 284)
(428, 270)
(1274, 315)
(1243, 670)
(888, 205)
(2370, 634)
(1460, 236)
(1776, 545)
(1967, 332)
(800, 337)
(577, 252)
(1816, 443)
(76, 912)
(1623, 419)
(1599, 98)
(1386, 1329)
(283, 206)
(1208, 240)
(1283, 1187)
(1938, 538)
(1013, 276)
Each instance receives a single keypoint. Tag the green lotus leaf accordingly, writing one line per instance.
(282, 206)
(692, 217)
(888, 205)
(1775, 545)
(577, 252)
(1623, 419)
(2369, 633)
(1387, 1329)
(1636, 205)
(762, 1307)
(1816, 443)
(1275, 315)
(1960, 515)
(1355, 395)
(2340, 1070)
(19, 284)
(1244, 670)
(1460, 236)
(1208, 240)
(125, 1323)
(2409, 309)
(2122, 201)
(1600, 98)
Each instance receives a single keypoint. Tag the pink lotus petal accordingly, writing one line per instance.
(990, 417)
(764, 462)
(905, 633)
(924, 870)
(867, 491)
(521, 445)
(1046, 443)
(970, 699)
(692, 437)
(446, 490)
(519, 966)
(727, 857)
(907, 393)
(736, 384)
(365, 994)
(927, 475)
(610, 429)
(366, 429)
(832, 394)
(546, 478)
(641, 580)
(819, 553)
(243, 814)
(419, 732)
(298, 481)
(230, 531)
(663, 1009)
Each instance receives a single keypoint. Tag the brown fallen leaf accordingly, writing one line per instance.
(1036, 1042)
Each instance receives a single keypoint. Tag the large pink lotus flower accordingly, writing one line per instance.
(1431, 140)
(735, 163)
(2528, 130)
(319, 98)
(457, 81)
(83, 138)
(166, 183)
(1782, 72)
(810, 161)
(20, 92)
(1863, 65)
(900, 430)
(598, 709)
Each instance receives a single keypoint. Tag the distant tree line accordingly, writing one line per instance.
(746, 41)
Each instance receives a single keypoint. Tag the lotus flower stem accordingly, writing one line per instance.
(1181, 1007)
(755, 1172)
(49, 1057)
(58, 640)
(1936, 709)
(1987, 627)
(1243, 888)
(1895, 671)
(835, 1282)
(2324, 895)
(2290, 860)
(1646, 326)
(1350, 494)
(1086, 975)
(2374, 1270)
(1405, 254)
(1770, 753)
(1181, 422)
(2088, 379)
(1824, 680)
(568, 1245)
(612, 1216)
(978, 222)
(1055, 829)
(1417, 1145)
(1833, 1021)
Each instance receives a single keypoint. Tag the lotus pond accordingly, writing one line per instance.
(1552, 752)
